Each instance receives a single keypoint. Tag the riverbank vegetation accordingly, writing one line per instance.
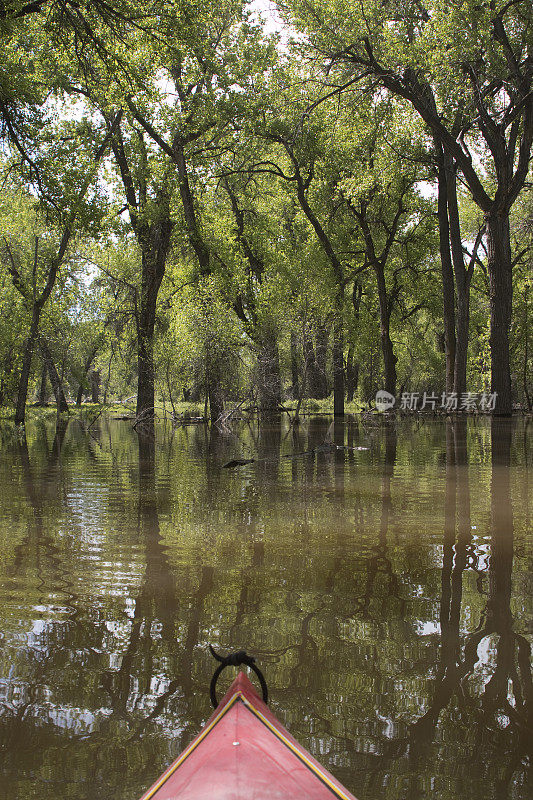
(196, 209)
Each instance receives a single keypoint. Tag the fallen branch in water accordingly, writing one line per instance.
(321, 448)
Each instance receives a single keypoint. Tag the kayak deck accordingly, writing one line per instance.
(245, 753)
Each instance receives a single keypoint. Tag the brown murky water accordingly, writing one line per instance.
(387, 594)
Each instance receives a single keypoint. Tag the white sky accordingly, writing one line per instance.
(268, 11)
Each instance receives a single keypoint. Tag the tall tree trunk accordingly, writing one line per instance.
(352, 367)
(152, 231)
(526, 350)
(499, 266)
(387, 348)
(55, 380)
(338, 356)
(154, 241)
(448, 291)
(22, 394)
(461, 350)
(462, 280)
(191, 222)
(145, 361)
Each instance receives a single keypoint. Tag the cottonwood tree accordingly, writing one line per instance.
(382, 162)
(206, 62)
(252, 308)
(467, 70)
(35, 279)
(148, 188)
(294, 155)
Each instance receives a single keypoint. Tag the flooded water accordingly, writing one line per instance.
(386, 592)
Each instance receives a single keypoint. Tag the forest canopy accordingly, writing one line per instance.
(206, 203)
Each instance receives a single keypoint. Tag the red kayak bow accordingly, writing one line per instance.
(245, 753)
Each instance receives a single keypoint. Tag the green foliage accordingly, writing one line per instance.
(248, 116)
(205, 337)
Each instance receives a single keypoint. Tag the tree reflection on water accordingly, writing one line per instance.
(384, 591)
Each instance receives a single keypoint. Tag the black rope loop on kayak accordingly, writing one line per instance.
(235, 660)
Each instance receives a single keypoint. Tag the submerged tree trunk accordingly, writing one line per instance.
(352, 366)
(526, 350)
(461, 351)
(22, 394)
(448, 291)
(499, 265)
(154, 240)
(152, 227)
(387, 348)
(462, 281)
(338, 357)
(378, 260)
(145, 359)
